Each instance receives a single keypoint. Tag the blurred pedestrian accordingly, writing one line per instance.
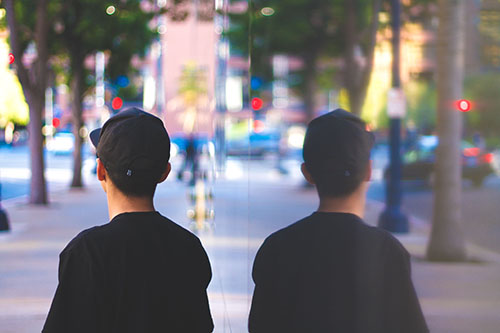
(479, 141)
(190, 160)
(140, 272)
(331, 272)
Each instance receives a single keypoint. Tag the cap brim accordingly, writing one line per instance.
(94, 136)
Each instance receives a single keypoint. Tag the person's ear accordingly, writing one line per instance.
(165, 173)
(368, 175)
(101, 171)
(306, 174)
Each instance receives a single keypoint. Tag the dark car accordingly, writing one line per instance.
(418, 162)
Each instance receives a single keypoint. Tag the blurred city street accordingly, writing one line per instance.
(251, 201)
(480, 207)
(236, 85)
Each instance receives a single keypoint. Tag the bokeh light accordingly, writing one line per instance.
(110, 10)
(267, 11)
(117, 103)
(257, 103)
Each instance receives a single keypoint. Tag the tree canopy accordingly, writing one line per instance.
(316, 32)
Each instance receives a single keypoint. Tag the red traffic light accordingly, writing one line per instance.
(463, 105)
(11, 58)
(257, 103)
(56, 122)
(116, 103)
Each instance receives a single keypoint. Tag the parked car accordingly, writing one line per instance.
(418, 162)
(62, 143)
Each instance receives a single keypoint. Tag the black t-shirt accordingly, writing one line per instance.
(140, 272)
(330, 272)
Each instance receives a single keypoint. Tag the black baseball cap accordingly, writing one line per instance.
(134, 142)
(337, 143)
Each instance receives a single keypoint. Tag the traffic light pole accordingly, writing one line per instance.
(392, 219)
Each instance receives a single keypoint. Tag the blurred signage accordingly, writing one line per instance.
(149, 95)
(280, 85)
(396, 103)
(100, 89)
(234, 93)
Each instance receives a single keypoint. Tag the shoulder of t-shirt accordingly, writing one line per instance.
(180, 230)
(370, 234)
(108, 227)
(96, 233)
(389, 242)
(285, 234)
(78, 243)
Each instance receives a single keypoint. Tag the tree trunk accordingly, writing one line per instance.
(447, 240)
(356, 99)
(33, 82)
(77, 90)
(38, 186)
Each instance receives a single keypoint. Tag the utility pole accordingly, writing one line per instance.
(49, 113)
(392, 219)
(100, 88)
(160, 86)
(222, 24)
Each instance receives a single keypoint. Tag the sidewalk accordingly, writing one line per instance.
(455, 297)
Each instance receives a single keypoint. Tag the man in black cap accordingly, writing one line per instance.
(330, 272)
(140, 272)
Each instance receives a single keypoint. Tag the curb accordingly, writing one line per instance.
(418, 236)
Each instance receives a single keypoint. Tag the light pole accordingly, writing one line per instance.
(392, 219)
(222, 24)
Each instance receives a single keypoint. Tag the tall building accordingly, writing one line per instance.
(188, 72)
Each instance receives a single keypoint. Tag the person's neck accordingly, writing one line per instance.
(353, 204)
(119, 203)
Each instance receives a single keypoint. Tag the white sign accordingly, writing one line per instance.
(280, 85)
(396, 103)
(234, 93)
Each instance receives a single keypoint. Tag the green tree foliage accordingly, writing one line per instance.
(484, 118)
(82, 28)
(13, 107)
(192, 84)
(63, 34)
(421, 104)
(298, 28)
(315, 32)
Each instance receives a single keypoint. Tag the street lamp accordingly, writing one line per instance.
(392, 219)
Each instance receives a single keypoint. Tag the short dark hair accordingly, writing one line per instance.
(337, 152)
(332, 186)
(144, 186)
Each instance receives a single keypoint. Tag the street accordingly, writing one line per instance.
(480, 209)
(15, 170)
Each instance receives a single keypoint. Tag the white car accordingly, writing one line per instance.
(61, 143)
